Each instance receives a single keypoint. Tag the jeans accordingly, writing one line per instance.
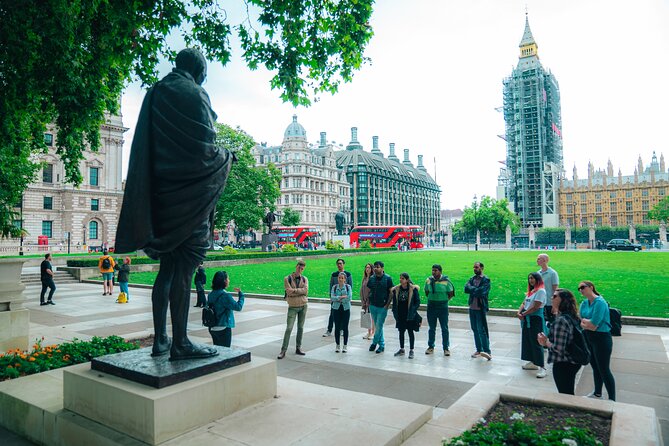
(564, 375)
(530, 349)
(331, 320)
(341, 318)
(221, 337)
(301, 314)
(480, 330)
(438, 312)
(47, 283)
(124, 289)
(601, 347)
(379, 318)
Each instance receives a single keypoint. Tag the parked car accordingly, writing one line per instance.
(620, 244)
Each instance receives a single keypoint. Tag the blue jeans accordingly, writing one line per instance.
(379, 317)
(480, 330)
(124, 289)
(436, 313)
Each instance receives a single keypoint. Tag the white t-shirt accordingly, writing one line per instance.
(538, 296)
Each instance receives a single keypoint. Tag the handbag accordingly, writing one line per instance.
(415, 323)
(365, 319)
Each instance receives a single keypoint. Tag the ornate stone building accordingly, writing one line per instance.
(606, 199)
(89, 213)
(312, 184)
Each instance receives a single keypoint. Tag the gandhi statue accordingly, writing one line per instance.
(339, 222)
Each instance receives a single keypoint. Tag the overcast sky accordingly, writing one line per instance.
(436, 79)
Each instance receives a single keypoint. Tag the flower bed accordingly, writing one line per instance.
(17, 363)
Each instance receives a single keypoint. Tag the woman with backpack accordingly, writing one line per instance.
(406, 300)
(561, 337)
(223, 304)
(340, 296)
(596, 324)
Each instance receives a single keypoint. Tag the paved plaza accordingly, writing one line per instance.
(640, 360)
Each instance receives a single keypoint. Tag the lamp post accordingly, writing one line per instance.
(476, 225)
(21, 228)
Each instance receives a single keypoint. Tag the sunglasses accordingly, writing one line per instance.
(582, 287)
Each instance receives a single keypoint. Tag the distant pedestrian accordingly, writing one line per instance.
(224, 305)
(46, 277)
(531, 315)
(200, 281)
(478, 288)
(297, 289)
(551, 283)
(364, 297)
(340, 296)
(406, 300)
(124, 276)
(379, 285)
(333, 282)
(106, 266)
(596, 323)
(439, 290)
(560, 338)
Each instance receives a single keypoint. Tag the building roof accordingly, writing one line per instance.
(295, 130)
(527, 39)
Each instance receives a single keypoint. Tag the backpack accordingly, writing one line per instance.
(209, 318)
(578, 349)
(106, 264)
(122, 298)
(615, 316)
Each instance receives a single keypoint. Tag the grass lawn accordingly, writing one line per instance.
(637, 283)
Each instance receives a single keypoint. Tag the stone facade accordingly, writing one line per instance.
(89, 213)
(606, 199)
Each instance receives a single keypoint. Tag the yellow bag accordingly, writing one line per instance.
(122, 298)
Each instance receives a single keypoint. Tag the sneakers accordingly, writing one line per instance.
(530, 366)
(541, 373)
(476, 355)
(50, 302)
(380, 350)
(399, 352)
(281, 355)
(343, 349)
(327, 333)
(447, 352)
(337, 349)
(429, 350)
(367, 336)
(593, 395)
(485, 355)
(372, 347)
(410, 354)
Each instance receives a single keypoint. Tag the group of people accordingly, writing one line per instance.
(108, 267)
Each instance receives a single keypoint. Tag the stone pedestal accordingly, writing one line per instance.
(345, 239)
(269, 239)
(157, 415)
(508, 237)
(14, 319)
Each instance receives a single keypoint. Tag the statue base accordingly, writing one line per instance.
(345, 239)
(269, 239)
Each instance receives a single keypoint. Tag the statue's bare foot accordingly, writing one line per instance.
(192, 351)
(161, 345)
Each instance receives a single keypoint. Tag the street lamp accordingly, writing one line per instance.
(21, 240)
(476, 225)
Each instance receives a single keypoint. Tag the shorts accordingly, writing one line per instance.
(107, 276)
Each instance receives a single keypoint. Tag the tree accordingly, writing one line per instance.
(250, 190)
(660, 211)
(490, 215)
(290, 217)
(66, 62)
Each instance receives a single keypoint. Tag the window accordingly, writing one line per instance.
(93, 175)
(95, 204)
(584, 196)
(47, 173)
(47, 228)
(644, 205)
(628, 194)
(48, 203)
(584, 209)
(644, 193)
(614, 206)
(661, 192)
(570, 209)
(613, 195)
(93, 230)
(614, 220)
(598, 208)
(568, 196)
(628, 205)
(48, 139)
(598, 196)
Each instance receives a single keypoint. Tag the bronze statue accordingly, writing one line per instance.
(339, 222)
(175, 177)
(270, 218)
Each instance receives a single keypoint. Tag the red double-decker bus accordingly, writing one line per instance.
(296, 235)
(387, 236)
(416, 240)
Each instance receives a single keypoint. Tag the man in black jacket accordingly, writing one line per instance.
(333, 282)
(46, 276)
(200, 281)
(478, 288)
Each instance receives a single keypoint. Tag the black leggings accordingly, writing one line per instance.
(564, 375)
(601, 347)
(411, 337)
(341, 318)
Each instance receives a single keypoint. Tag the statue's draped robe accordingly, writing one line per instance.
(176, 173)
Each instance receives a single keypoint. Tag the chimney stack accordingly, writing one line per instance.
(392, 152)
(406, 161)
(354, 134)
(323, 139)
(420, 163)
(375, 146)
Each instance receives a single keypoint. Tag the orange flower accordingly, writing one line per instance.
(17, 365)
(10, 367)
(31, 359)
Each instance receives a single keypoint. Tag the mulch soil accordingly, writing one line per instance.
(546, 418)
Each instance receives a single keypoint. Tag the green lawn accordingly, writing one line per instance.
(637, 283)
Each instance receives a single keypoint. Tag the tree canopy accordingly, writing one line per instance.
(490, 215)
(290, 217)
(66, 62)
(660, 211)
(250, 190)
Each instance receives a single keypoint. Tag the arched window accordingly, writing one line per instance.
(93, 230)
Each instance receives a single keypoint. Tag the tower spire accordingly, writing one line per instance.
(528, 47)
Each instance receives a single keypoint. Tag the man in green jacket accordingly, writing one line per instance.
(439, 290)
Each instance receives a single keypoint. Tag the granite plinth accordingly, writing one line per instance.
(139, 366)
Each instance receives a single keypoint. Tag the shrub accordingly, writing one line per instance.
(229, 250)
(336, 245)
(288, 247)
(16, 363)
(365, 244)
(522, 433)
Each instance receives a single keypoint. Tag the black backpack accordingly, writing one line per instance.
(209, 318)
(106, 264)
(615, 316)
(578, 349)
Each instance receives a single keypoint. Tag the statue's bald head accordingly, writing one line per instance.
(193, 62)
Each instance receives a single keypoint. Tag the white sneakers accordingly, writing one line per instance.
(343, 350)
(485, 355)
(541, 373)
(593, 395)
(530, 366)
(337, 350)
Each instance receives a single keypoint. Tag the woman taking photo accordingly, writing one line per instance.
(406, 300)
(364, 297)
(596, 326)
(531, 315)
(561, 336)
(223, 304)
(340, 295)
